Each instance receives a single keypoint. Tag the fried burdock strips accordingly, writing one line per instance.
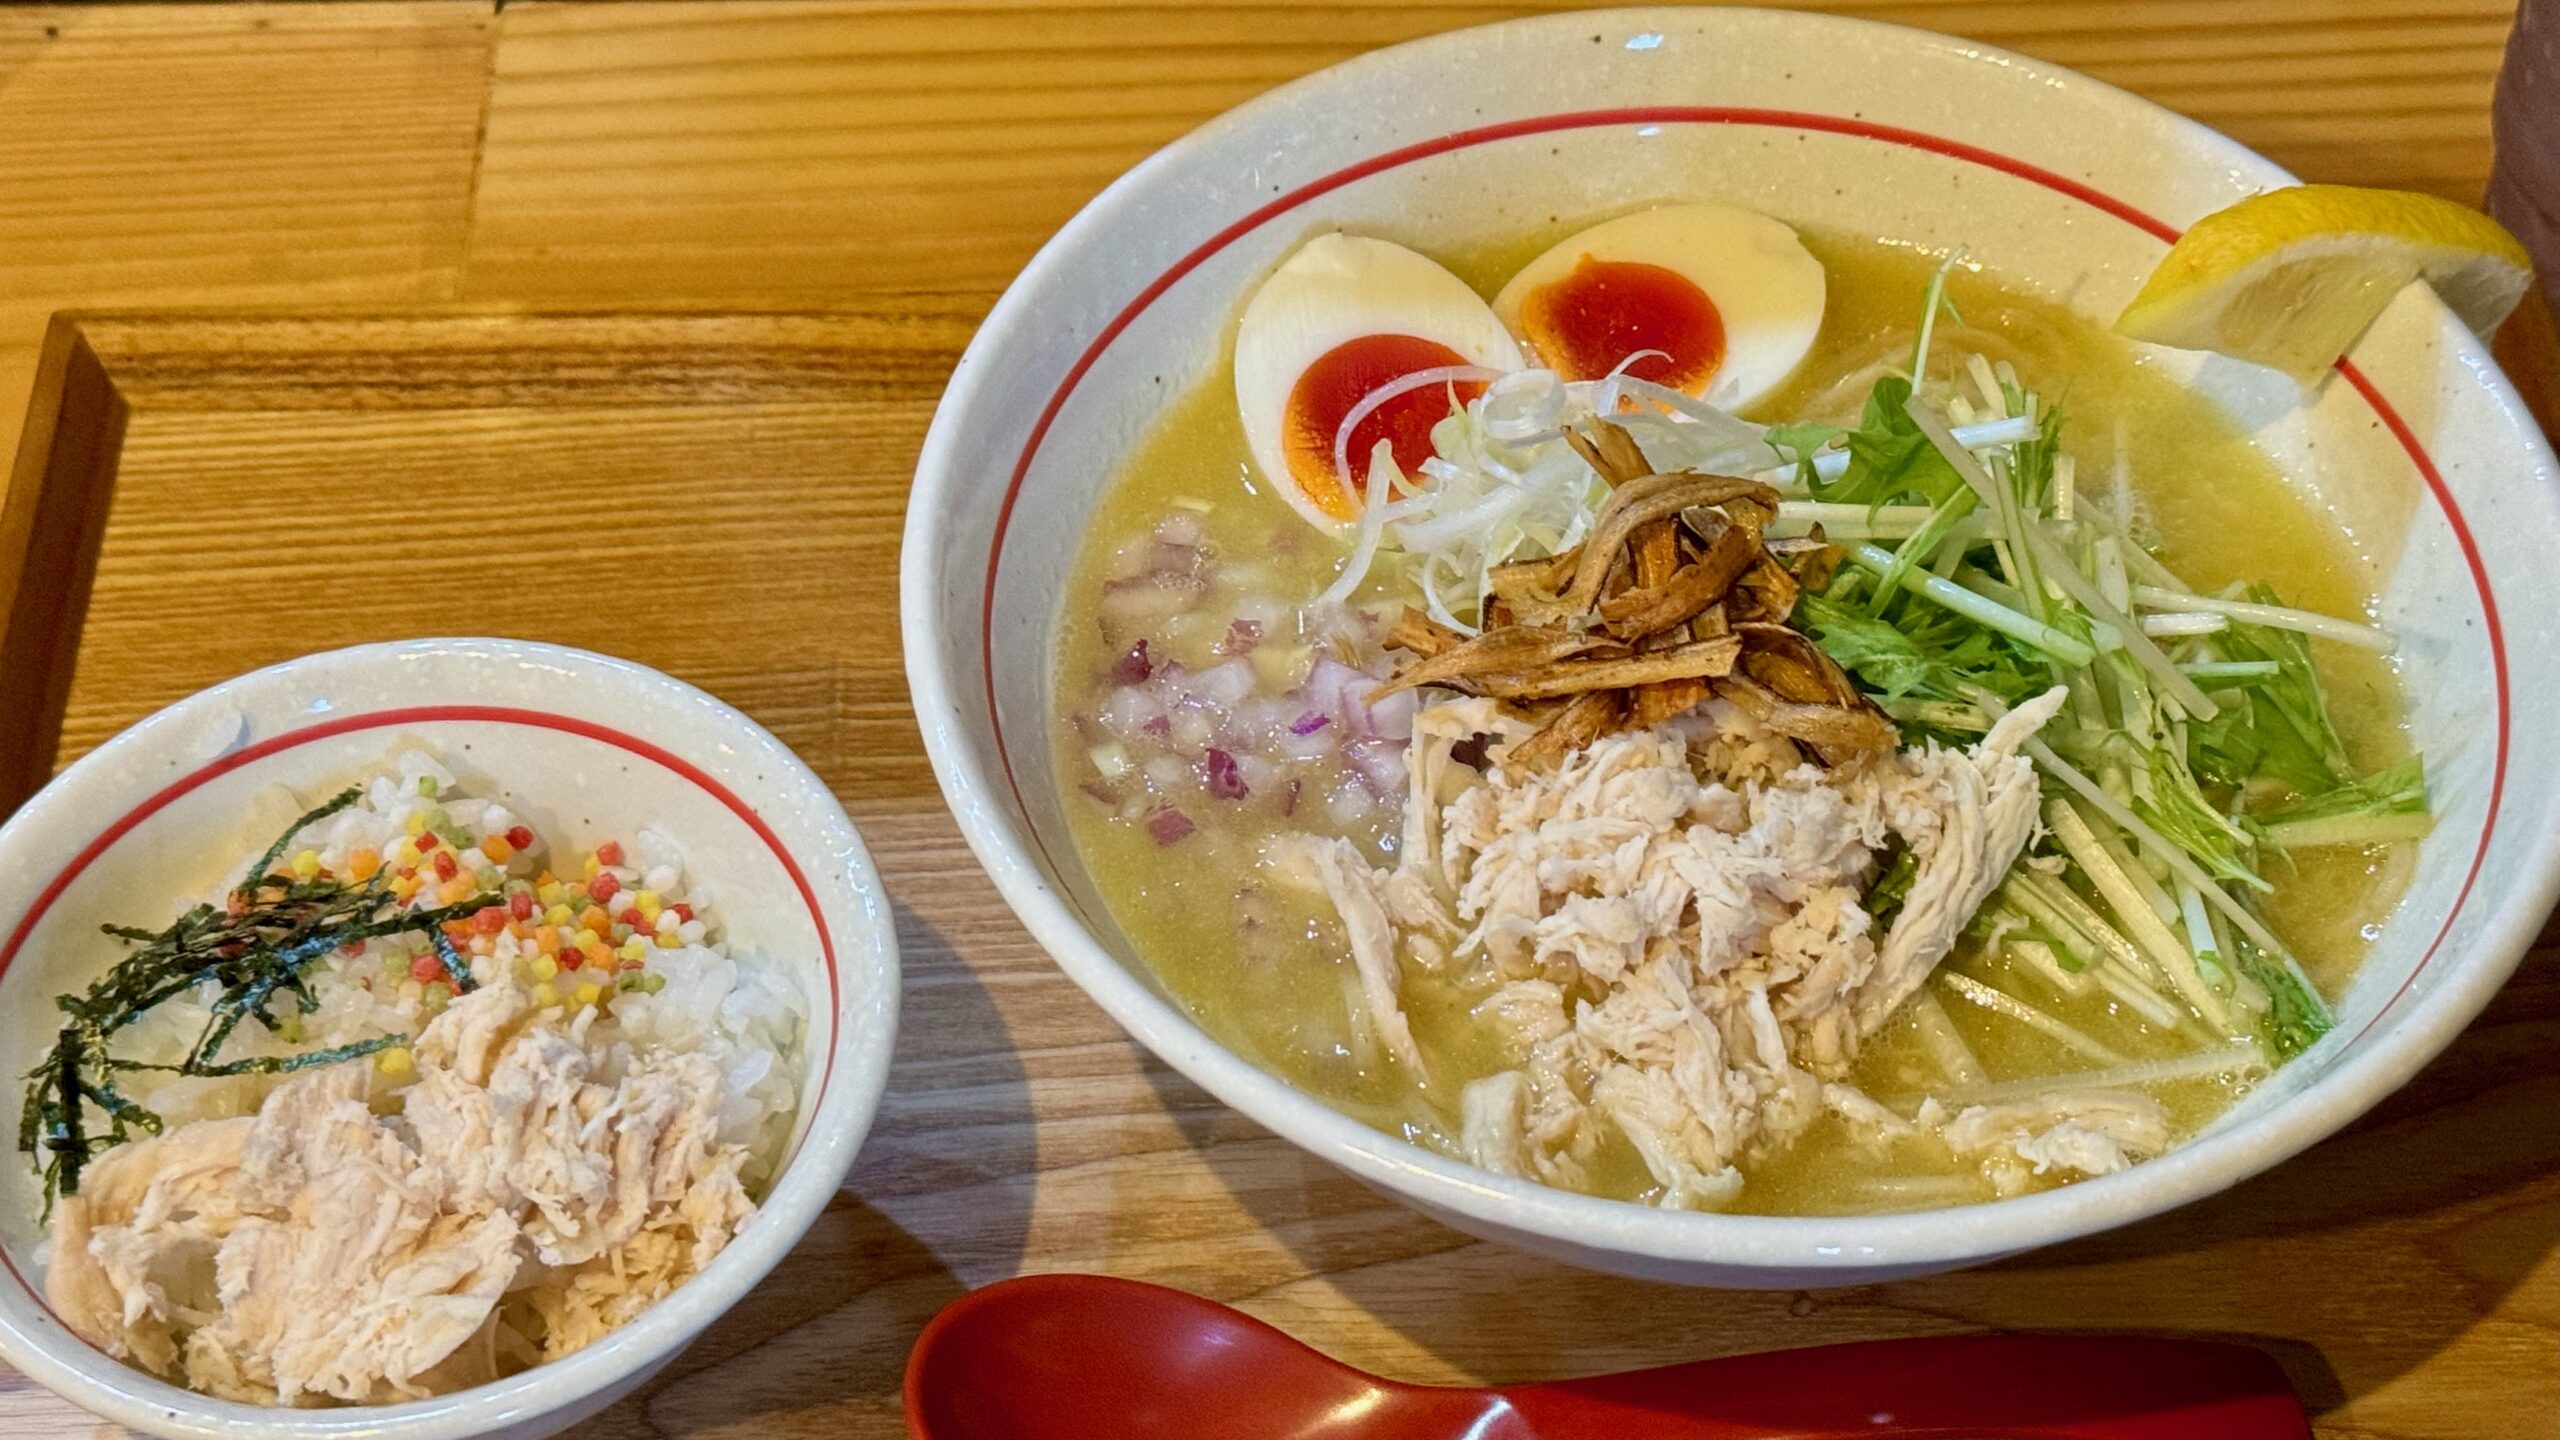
(1675, 595)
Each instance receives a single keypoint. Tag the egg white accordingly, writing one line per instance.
(1338, 288)
(1766, 286)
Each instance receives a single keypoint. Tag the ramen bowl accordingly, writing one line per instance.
(2067, 188)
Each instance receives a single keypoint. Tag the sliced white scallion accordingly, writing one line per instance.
(1383, 475)
(1434, 604)
(1444, 375)
(2200, 936)
(2135, 993)
(2108, 959)
(1991, 589)
(1979, 370)
(1994, 496)
(2112, 580)
(2148, 570)
(2017, 550)
(1605, 390)
(2051, 904)
(2140, 874)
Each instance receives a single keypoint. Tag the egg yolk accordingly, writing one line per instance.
(1331, 388)
(1603, 311)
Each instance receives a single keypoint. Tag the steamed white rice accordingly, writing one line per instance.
(743, 1012)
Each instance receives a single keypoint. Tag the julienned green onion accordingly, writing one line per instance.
(2178, 626)
(2277, 617)
(1867, 522)
(1983, 611)
(2008, 430)
(2000, 1002)
(2133, 911)
(2228, 671)
(2203, 1064)
(2390, 804)
(2041, 961)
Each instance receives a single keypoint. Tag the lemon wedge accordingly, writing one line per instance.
(2290, 278)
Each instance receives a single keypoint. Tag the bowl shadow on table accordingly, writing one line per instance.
(2459, 1172)
(938, 1202)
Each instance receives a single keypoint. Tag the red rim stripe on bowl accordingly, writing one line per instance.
(1781, 119)
(427, 715)
(2497, 635)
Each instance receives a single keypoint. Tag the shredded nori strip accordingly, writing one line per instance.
(256, 946)
(274, 1064)
(456, 969)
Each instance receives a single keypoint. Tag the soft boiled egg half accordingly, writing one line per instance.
(1717, 302)
(1341, 322)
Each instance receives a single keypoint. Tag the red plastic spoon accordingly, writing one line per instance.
(1085, 1357)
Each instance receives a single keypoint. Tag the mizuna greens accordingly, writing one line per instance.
(2195, 749)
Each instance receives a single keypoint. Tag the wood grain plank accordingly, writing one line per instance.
(767, 151)
(682, 442)
(230, 154)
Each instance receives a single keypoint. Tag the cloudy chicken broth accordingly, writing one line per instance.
(1215, 708)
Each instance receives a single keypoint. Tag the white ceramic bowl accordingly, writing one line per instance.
(586, 748)
(2067, 186)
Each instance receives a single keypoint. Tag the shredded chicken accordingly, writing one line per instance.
(1873, 1123)
(2091, 1132)
(318, 1250)
(1966, 820)
(1355, 891)
(1682, 962)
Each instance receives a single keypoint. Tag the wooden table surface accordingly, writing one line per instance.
(750, 156)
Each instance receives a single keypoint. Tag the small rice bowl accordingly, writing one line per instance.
(572, 1093)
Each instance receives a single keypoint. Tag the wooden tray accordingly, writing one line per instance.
(721, 496)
